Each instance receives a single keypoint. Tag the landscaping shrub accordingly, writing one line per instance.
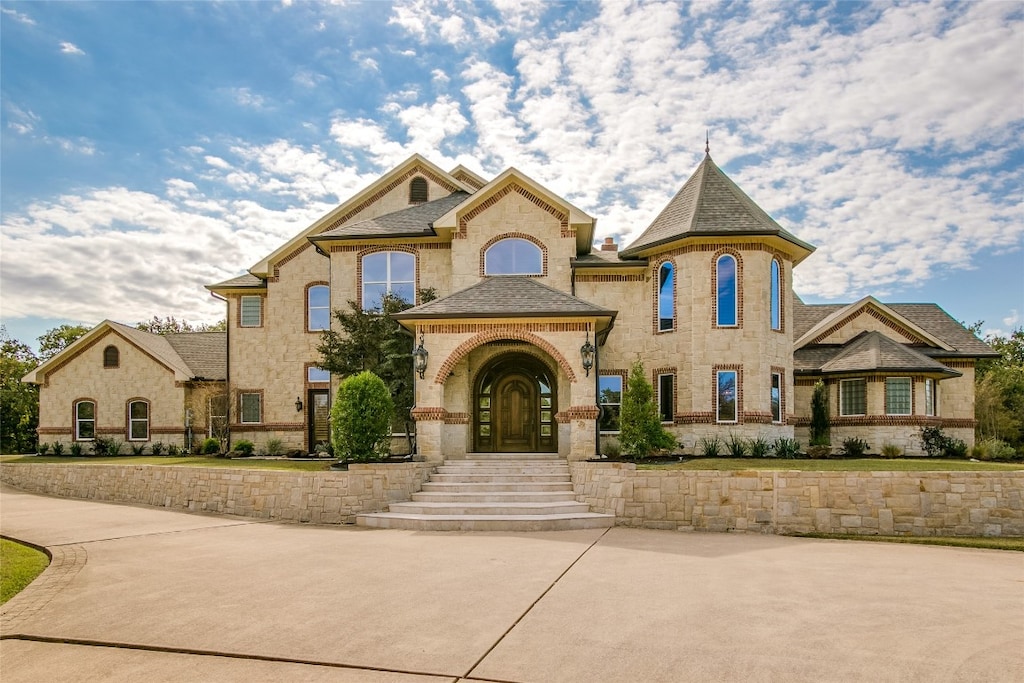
(210, 446)
(612, 448)
(274, 447)
(138, 448)
(937, 444)
(819, 416)
(157, 448)
(737, 446)
(891, 450)
(44, 448)
(58, 448)
(854, 447)
(245, 447)
(173, 451)
(640, 430)
(993, 449)
(103, 446)
(759, 447)
(786, 448)
(361, 418)
(323, 450)
(710, 447)
(76, 450)
(819, 451)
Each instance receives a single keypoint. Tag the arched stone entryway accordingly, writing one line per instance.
(514, 406)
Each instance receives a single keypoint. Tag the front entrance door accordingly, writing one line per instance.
(516, 414)
(318, 417)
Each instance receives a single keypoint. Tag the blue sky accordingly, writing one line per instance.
(149, 148)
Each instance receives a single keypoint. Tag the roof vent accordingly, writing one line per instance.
(609, 244)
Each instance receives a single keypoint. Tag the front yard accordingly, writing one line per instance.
(836, 465)
(189, 461)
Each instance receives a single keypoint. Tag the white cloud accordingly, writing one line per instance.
(247, 98)
(18, 16)
(71, 49)
(1012, 320)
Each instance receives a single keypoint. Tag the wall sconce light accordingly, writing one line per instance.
(587, 353)
(298, 404)
(419, 358)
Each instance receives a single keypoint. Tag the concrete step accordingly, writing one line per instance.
(493, 497)
(498, 478)
(504, 469)
(490, 508)
(498, 457)
(566, 522)
(482, 487)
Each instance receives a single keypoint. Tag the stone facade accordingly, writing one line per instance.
(784, 502)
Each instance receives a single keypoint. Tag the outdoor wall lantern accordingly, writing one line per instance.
(298, 404)
(419, 358)
(587, 352)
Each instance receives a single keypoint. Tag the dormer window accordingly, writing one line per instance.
(418, 191)
(111, 357)
(514, 256)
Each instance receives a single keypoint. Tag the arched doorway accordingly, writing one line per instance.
(514, 406)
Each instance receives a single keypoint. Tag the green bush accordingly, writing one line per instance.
(640, 430)
(937, 444)
(138, 448)
(891, 450)
(737, 446)
(157, 448)
(993, 449)
(854, 447)
(210, 446)
(104, 446)
(819, 416)
(786, 448)
(173, 450)
(759, 447)
(244, 446)
(361, 418)
(76, 450)
(612, 448)
(44, 448)
(58, 448)
(274, 447)
(710, 447)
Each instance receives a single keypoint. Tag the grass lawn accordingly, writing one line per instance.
(190, 461)
(837, 465)
(955, 541)
(19, 566)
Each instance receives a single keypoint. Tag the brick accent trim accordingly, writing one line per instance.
(267, 426)
(875, 313)
(466, 328)
(639, 277)
(515, 235)
(456, 418)
(276, 276)
(367, 251)
(656, 384)
(385, 190)
(957, 364)
(419, 246)
(501, 333)
(656, 296)
(305, 377)
(697, 418)
(429, 414)
(726, 251)
(738, 369)
(562, 216)
(576, 413)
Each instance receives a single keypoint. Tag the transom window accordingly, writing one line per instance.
(726, 276)
(727, 395)
(514, 256)
(250, 408)
(776, 290)
(388, 272)
(111, 357)
(85, 421)
(897, 396)
(609, 392)
(251, 311)
(315, 374)
(138, 421)
(853, 397)
(666, 298)
(318, 301)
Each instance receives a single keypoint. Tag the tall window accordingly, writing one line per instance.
(418, 191)
(727, 396)
(609, 395)
(897, 396)
(388, 272)
(776, 397)
(930, 395)
(111, 357)
(776, 287)
(217, 416)
(514, 256)
(85, 421)
(726, 276)
(667, 397)
(666, 297)
(318, 305)
(251, 311)
(138, 421)
(250, 408)
(853, 397)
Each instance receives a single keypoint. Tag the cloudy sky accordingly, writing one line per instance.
(149, 148)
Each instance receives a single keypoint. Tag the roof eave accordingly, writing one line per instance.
(808, 249)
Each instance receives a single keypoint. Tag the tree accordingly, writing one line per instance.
(19, 402)
(361, 418)
(640, 430)
(999, 391)
(55, 340)
(819, 415)
(171, 325)
(374, 341)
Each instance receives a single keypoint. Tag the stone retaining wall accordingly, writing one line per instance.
(318, 497)
(769, 501)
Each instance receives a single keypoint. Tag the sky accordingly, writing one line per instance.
(151, 148)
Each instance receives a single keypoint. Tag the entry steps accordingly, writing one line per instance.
(493, 492)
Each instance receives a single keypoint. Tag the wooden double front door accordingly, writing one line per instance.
(514, 410)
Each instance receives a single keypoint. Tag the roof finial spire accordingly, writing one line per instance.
(707, 142)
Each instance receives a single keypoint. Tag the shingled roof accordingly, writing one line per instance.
(506, 296)
(416, 221)
(246, 281)
(875, 352)
(710, 204)
(205, 353)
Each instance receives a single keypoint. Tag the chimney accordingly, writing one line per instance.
(609, 244)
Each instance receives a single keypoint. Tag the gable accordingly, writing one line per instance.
(868, 315)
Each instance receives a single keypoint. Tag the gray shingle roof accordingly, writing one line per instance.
(875, 352)
(205, 353)
(416, 221)
(506, 296)
(241, 282)
(604, 259)
(709, 203)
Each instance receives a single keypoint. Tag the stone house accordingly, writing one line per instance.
(703, 297)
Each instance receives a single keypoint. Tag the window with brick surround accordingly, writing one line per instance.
(250, 408)
(514, 256)
(250, 311)
(726, 276)
(316, 375)
(727, 392)
(111, 357)
(318, 306)
(898, 396)
(853, 397)
(776, 296)
(609, 392)
(667, 397)
(419, 191)
(930, 397)
(85, 421)
(138, 421)
(388, 272)
(776, 397)
(666, 297)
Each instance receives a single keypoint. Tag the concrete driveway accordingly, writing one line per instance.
(139, 593)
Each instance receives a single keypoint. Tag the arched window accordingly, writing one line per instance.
(318, 308)
(388, 272)
(85, 420)
(514, 256)
(111, 357)
(776, 294)
(418, 191)
(726, 276)
(666, 297)
(138, 420)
